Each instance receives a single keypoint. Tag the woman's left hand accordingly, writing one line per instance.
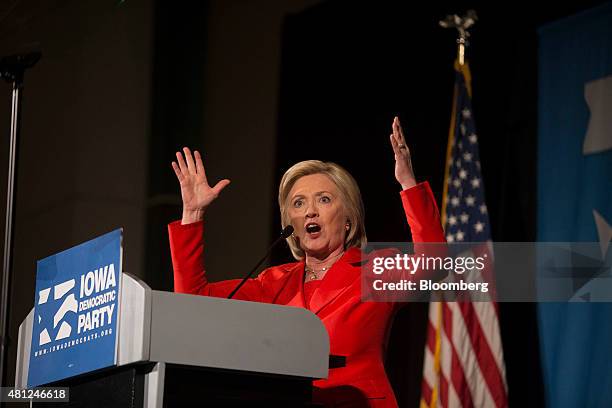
(403, 163)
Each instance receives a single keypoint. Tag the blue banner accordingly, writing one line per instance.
(575, 200)
(75, 312)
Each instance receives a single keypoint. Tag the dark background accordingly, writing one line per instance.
(258, 86)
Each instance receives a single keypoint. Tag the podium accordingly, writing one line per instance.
(184, 350)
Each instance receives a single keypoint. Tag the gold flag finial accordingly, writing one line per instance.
(461, 24)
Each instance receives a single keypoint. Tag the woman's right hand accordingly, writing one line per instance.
(195, 191)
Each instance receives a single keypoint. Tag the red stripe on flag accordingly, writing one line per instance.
(459, 382)
(426, 393)
(488, 365)
(443, 391)
(431, 337)
(457, 374)
(447, 323)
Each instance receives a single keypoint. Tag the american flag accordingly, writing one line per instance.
(464, 365)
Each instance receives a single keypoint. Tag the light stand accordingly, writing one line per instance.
(12, 69)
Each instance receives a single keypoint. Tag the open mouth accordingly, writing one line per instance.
(313, 228)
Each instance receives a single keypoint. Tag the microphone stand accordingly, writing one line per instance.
(288, 230)
(12, 69)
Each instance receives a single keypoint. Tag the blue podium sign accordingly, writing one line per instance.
(76, 309)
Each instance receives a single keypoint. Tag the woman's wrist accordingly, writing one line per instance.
(406, 184)
(191, 216)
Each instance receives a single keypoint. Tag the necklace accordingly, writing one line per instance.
(313, 274)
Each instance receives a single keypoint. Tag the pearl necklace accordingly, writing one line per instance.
(313, 274)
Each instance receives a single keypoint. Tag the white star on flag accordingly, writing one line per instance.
(469, 200)
(463, 174)
(475, 182)
(460, 235)
(472, 138)
(454, 201)
(479, 226)
(466, 113)
(452, 220)
(467, 156)
(450, 238)
(464, 218)
(483, 209)
(457, 183)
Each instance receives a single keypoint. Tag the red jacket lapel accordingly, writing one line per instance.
(293, 288)
(337, 280)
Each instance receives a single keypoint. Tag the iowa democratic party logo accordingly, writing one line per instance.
(60, 328)
(76, 310)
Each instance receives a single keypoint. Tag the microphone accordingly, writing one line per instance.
(13, 66)
(288, 230)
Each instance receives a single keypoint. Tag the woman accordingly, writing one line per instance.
(323, 204)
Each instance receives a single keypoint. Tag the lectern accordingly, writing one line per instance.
(184, 350)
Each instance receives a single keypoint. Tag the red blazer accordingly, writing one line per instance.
(356, 329)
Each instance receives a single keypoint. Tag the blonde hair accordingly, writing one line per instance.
(349, 193)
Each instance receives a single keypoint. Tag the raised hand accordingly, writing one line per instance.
(195, 191)
(403, 163)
